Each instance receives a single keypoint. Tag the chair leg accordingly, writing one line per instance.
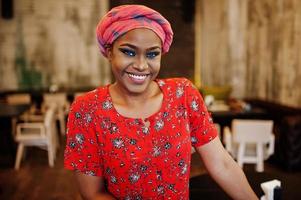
(240, 155)
(50, 156)
(259, 151)
(62, 123)
(61, 118)
(19, 156)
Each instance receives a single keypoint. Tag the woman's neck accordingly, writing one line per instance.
(123, 97)
(137, 106)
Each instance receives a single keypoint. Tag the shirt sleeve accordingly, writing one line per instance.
(202, 128)
(82, 152)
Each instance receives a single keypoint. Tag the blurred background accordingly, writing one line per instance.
(252, 46)
(243, 55)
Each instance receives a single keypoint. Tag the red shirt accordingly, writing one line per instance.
(139, 161)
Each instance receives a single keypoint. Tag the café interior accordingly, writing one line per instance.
(243, 56)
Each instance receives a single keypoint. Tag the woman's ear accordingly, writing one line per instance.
(109, 53)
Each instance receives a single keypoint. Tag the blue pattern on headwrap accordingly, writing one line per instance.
(159, 21)
(115, 33)
(137, 16)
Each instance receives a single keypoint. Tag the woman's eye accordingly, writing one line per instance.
(128, 52)
(152, 54)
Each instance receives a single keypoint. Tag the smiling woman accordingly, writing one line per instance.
(136, 134)
(135, 60)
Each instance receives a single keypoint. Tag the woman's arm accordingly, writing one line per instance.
(92, 187)
(225, 171)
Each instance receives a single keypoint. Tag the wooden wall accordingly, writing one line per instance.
(52, 42)
(254, 46)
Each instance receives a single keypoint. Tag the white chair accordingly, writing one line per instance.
(41, 134)
(19, 99)
(251, 141)
(62, 104)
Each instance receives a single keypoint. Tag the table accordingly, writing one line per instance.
(203, 186)
(224, 118)
(9, 111)
(232, 113)
(7, 144)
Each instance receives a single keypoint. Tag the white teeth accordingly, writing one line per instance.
(139, 77)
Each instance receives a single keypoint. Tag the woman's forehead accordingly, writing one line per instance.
(140, 37)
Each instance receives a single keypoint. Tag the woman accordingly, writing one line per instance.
(135, 135)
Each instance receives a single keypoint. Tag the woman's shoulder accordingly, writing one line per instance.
(175, 82)
(178, 86)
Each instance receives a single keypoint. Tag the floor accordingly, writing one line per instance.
(35, 180)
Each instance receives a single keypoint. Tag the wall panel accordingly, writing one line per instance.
(52, 42)
(257, 52)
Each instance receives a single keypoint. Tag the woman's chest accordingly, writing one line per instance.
(128, 143)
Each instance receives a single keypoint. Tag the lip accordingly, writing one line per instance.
(137, 78)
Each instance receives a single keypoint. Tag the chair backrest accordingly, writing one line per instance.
(60, 99)
(49, 120)
(251, 131)
(38, 129)
(17, 99)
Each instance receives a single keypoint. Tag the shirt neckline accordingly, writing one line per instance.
(149, 118)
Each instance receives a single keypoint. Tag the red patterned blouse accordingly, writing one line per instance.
(139, 161)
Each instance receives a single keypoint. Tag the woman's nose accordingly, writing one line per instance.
(141, 63)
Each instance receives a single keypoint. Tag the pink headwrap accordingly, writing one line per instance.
(124, 18)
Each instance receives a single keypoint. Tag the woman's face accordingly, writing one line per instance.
(135, 59)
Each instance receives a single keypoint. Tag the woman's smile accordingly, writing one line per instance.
(137, 78)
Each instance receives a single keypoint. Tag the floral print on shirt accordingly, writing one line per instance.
(139, 160)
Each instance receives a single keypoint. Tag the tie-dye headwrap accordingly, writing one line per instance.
(124, 18)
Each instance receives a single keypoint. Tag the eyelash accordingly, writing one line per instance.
(128, 52)
(152, 54)
(132, 53)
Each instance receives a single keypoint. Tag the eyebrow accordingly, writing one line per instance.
(135, 47)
